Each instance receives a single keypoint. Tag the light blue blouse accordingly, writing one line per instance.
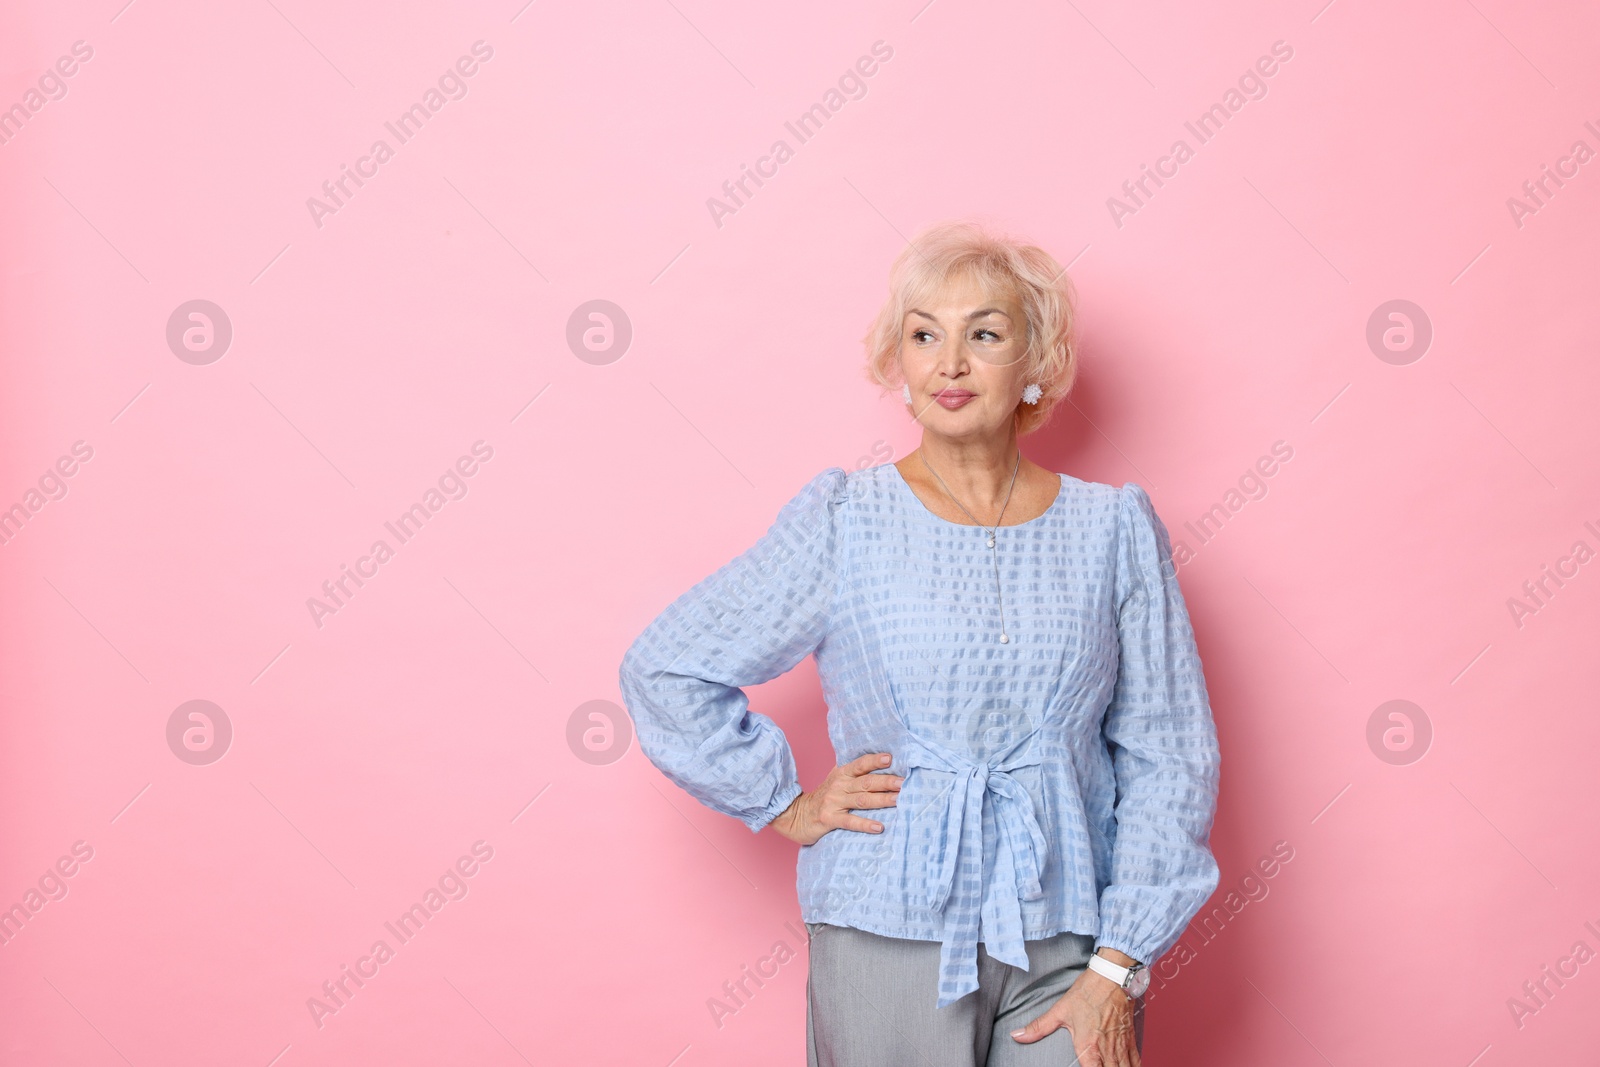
(1066, 780)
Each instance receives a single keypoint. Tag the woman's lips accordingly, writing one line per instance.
(953, 398)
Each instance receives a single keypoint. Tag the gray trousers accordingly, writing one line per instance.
(869, 1003)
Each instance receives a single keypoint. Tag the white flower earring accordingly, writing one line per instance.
(1032, 393)
(905, 391)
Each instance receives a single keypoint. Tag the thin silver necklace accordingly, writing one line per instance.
(994, 554)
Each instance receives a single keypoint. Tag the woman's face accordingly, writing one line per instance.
(963, 355)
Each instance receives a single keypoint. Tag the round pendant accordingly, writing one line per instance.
(991, 542)
(1005, 639)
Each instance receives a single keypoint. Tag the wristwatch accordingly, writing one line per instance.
(1133, 980)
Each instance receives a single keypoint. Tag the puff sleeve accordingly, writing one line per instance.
(1159, 729)
(752, 620)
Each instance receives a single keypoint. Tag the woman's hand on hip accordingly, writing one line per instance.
(827, 807)
(1099, 1016)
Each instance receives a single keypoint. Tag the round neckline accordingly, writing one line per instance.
(1061, 491)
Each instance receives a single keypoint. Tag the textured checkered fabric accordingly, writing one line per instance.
(1063, 780)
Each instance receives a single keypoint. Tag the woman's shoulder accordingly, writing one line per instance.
(836, 485)
(821, 497)
(831, 485)
(1096, 496)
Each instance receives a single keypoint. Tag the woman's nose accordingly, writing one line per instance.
(953, 355)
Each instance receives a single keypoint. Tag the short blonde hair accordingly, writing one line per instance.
(1029, 273)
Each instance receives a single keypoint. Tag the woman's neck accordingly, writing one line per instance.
(978, 471)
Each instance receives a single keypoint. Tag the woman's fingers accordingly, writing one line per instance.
(870, 791)
(857, 785)
(1042, 1025)
(859, 824)
(867, 763)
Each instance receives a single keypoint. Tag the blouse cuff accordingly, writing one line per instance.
(780, 802)
(1121, 930)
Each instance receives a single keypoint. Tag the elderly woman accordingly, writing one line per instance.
(1018, 825)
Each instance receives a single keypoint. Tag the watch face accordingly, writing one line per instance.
(1138, 982)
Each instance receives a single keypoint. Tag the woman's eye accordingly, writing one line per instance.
(991, 333)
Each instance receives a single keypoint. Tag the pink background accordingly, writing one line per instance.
(432, 710)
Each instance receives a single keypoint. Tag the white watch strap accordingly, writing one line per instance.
(1102, 966)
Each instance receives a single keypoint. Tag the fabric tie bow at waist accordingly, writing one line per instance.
(965, 866)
